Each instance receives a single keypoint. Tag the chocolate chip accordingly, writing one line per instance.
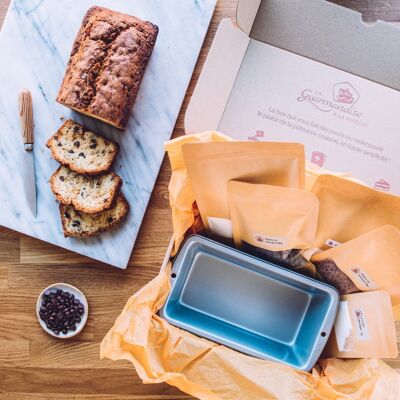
(76, 129)
(93, 146)
(67, 215)
(60, 311)
(59, 144)
(77, 144)
(62, 179)
(82, 155)
(110, 219)
(93, 140)
(71, 152)
(76, 223)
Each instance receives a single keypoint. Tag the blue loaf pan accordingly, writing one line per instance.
(248, 304)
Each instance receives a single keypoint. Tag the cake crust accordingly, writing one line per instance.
(82, 225)
(107, 64)
(82, 150)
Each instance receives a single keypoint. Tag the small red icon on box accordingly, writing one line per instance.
(318, 158)
(258, 135)
(382, 185)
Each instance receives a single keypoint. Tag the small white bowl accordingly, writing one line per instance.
(78, 295)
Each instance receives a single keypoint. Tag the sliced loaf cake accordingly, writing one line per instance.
(90, 194)
(78, 224)
(82, 150)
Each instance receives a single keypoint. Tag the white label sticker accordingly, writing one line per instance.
(332, 243)
(361, 324)
(221, 226)
(343, 328)
(274, 241)
(362, 278)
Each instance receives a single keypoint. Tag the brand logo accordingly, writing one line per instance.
(382, 185)
(318, 158)
(363, 278)
(361, 325)
(343, 99)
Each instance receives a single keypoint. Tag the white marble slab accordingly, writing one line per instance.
(35, 43)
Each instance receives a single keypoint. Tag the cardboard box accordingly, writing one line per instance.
(307, 71)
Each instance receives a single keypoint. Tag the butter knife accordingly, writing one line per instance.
(27, 160)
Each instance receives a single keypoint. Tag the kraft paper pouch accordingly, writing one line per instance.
(364, 327)
(348, 210)
(369, 262)
(181, 197)
(273, 222)
(211, 165)
(313, 172)
(161, 352)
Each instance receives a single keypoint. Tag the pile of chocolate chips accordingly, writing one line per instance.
(60, 311)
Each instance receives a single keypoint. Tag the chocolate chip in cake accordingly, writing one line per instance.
(77, 144)
(82, 155)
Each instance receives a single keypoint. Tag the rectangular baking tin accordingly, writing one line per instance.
(249, 304)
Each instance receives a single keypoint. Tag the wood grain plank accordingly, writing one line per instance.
(63, 396)
(14, 353)
(78, 381)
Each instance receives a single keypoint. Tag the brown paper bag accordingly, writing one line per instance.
(181, 196)
(273, 222)
(211, 165)
(370, 262)
(364, 327)
(348, 209)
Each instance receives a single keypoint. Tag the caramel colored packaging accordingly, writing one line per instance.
(364, 327)
(369, 262)
(348, 209)
(211, 165)
(273, 222)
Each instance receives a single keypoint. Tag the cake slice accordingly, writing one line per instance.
(107, 65)
(82, 150)
(90, 194)
(78, 224)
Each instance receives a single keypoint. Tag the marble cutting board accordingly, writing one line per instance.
(35, 43)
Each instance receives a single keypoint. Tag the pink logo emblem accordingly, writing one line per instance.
(345, 93)
(382, 185)
(258, 135)
(259, 239)
(318, 158)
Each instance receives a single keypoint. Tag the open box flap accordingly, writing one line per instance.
(213, 88)
(315, 29)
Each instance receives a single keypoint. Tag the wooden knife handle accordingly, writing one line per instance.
(26, 115)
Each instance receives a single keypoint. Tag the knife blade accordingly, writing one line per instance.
(27, 159)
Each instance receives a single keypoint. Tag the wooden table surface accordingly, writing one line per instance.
(32, 364)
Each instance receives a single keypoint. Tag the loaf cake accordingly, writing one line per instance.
(107, 65)
(78, 224)
(90, 194)
(82, 150)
